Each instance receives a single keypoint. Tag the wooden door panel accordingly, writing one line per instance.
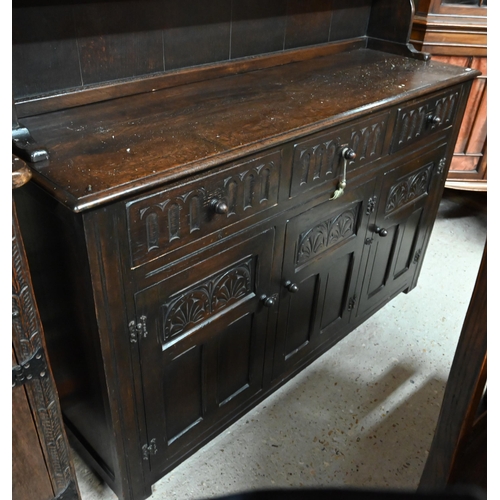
(203, 356)
(408, 237)
(235, 372)
(183, 384)
(300, 315)
(396, 238)
(323, 250)
(336, 290)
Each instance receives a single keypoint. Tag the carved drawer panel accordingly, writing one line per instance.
(318, 160)
(425, 117)
(170, 218)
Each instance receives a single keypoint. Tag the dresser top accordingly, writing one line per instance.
(109, 150)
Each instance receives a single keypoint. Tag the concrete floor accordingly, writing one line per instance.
(363, 414)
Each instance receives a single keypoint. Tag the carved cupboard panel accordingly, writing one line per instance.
(395, 239)
(323, 249)
(202, 343)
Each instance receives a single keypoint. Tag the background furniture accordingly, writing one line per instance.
(41, 462)
(455, 31)
(207, 231)
(458, 450)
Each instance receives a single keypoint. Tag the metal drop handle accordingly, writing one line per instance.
(347, 154)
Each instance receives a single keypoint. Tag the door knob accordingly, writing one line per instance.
(381, 231)
(291, 287)
(268, 301)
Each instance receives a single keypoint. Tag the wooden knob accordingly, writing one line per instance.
(219, 207)
(434, 120)
(268, 301)
(291, 287)
(348, 154)
(382, 232)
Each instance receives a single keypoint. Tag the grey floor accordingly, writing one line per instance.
(363, 414)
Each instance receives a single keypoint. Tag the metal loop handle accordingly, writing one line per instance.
(347, 154)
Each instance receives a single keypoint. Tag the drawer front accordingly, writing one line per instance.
(424, 118)
(173, 217)
(318, 159)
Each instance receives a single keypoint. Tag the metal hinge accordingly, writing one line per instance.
(34, 367)
(148, 450)
(138, 329)
(371, 205)
(441, 165)
(417, 256)
(352, 303)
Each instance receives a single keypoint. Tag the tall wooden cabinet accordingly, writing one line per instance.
(206, 233)
(42, 468)
(455, 31)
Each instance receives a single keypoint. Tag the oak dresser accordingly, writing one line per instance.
(196, 237)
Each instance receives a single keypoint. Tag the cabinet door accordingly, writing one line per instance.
(322, 258)
(396, 238)
(203, 354)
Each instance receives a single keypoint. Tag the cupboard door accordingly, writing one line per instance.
(203, 354)
(322, 258)
(396, 237)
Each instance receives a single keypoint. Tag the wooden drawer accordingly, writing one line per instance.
(317, 160)
(424, 117)
(170, 218)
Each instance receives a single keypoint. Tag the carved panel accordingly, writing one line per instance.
(411, 124)
(409, 189)
(326, 234)
(367, 141)
(170, 218)
(191, 307)
(27, 338)
(423, 118)
(318, 159)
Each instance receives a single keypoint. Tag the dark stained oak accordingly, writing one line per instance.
(200, 235)
(42, 468)
(152, 138)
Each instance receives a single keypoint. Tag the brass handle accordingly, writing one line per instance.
(219, 207)
(21, 173)
(347, 154)
(291, 287)
(381, 231)
(268, 301)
